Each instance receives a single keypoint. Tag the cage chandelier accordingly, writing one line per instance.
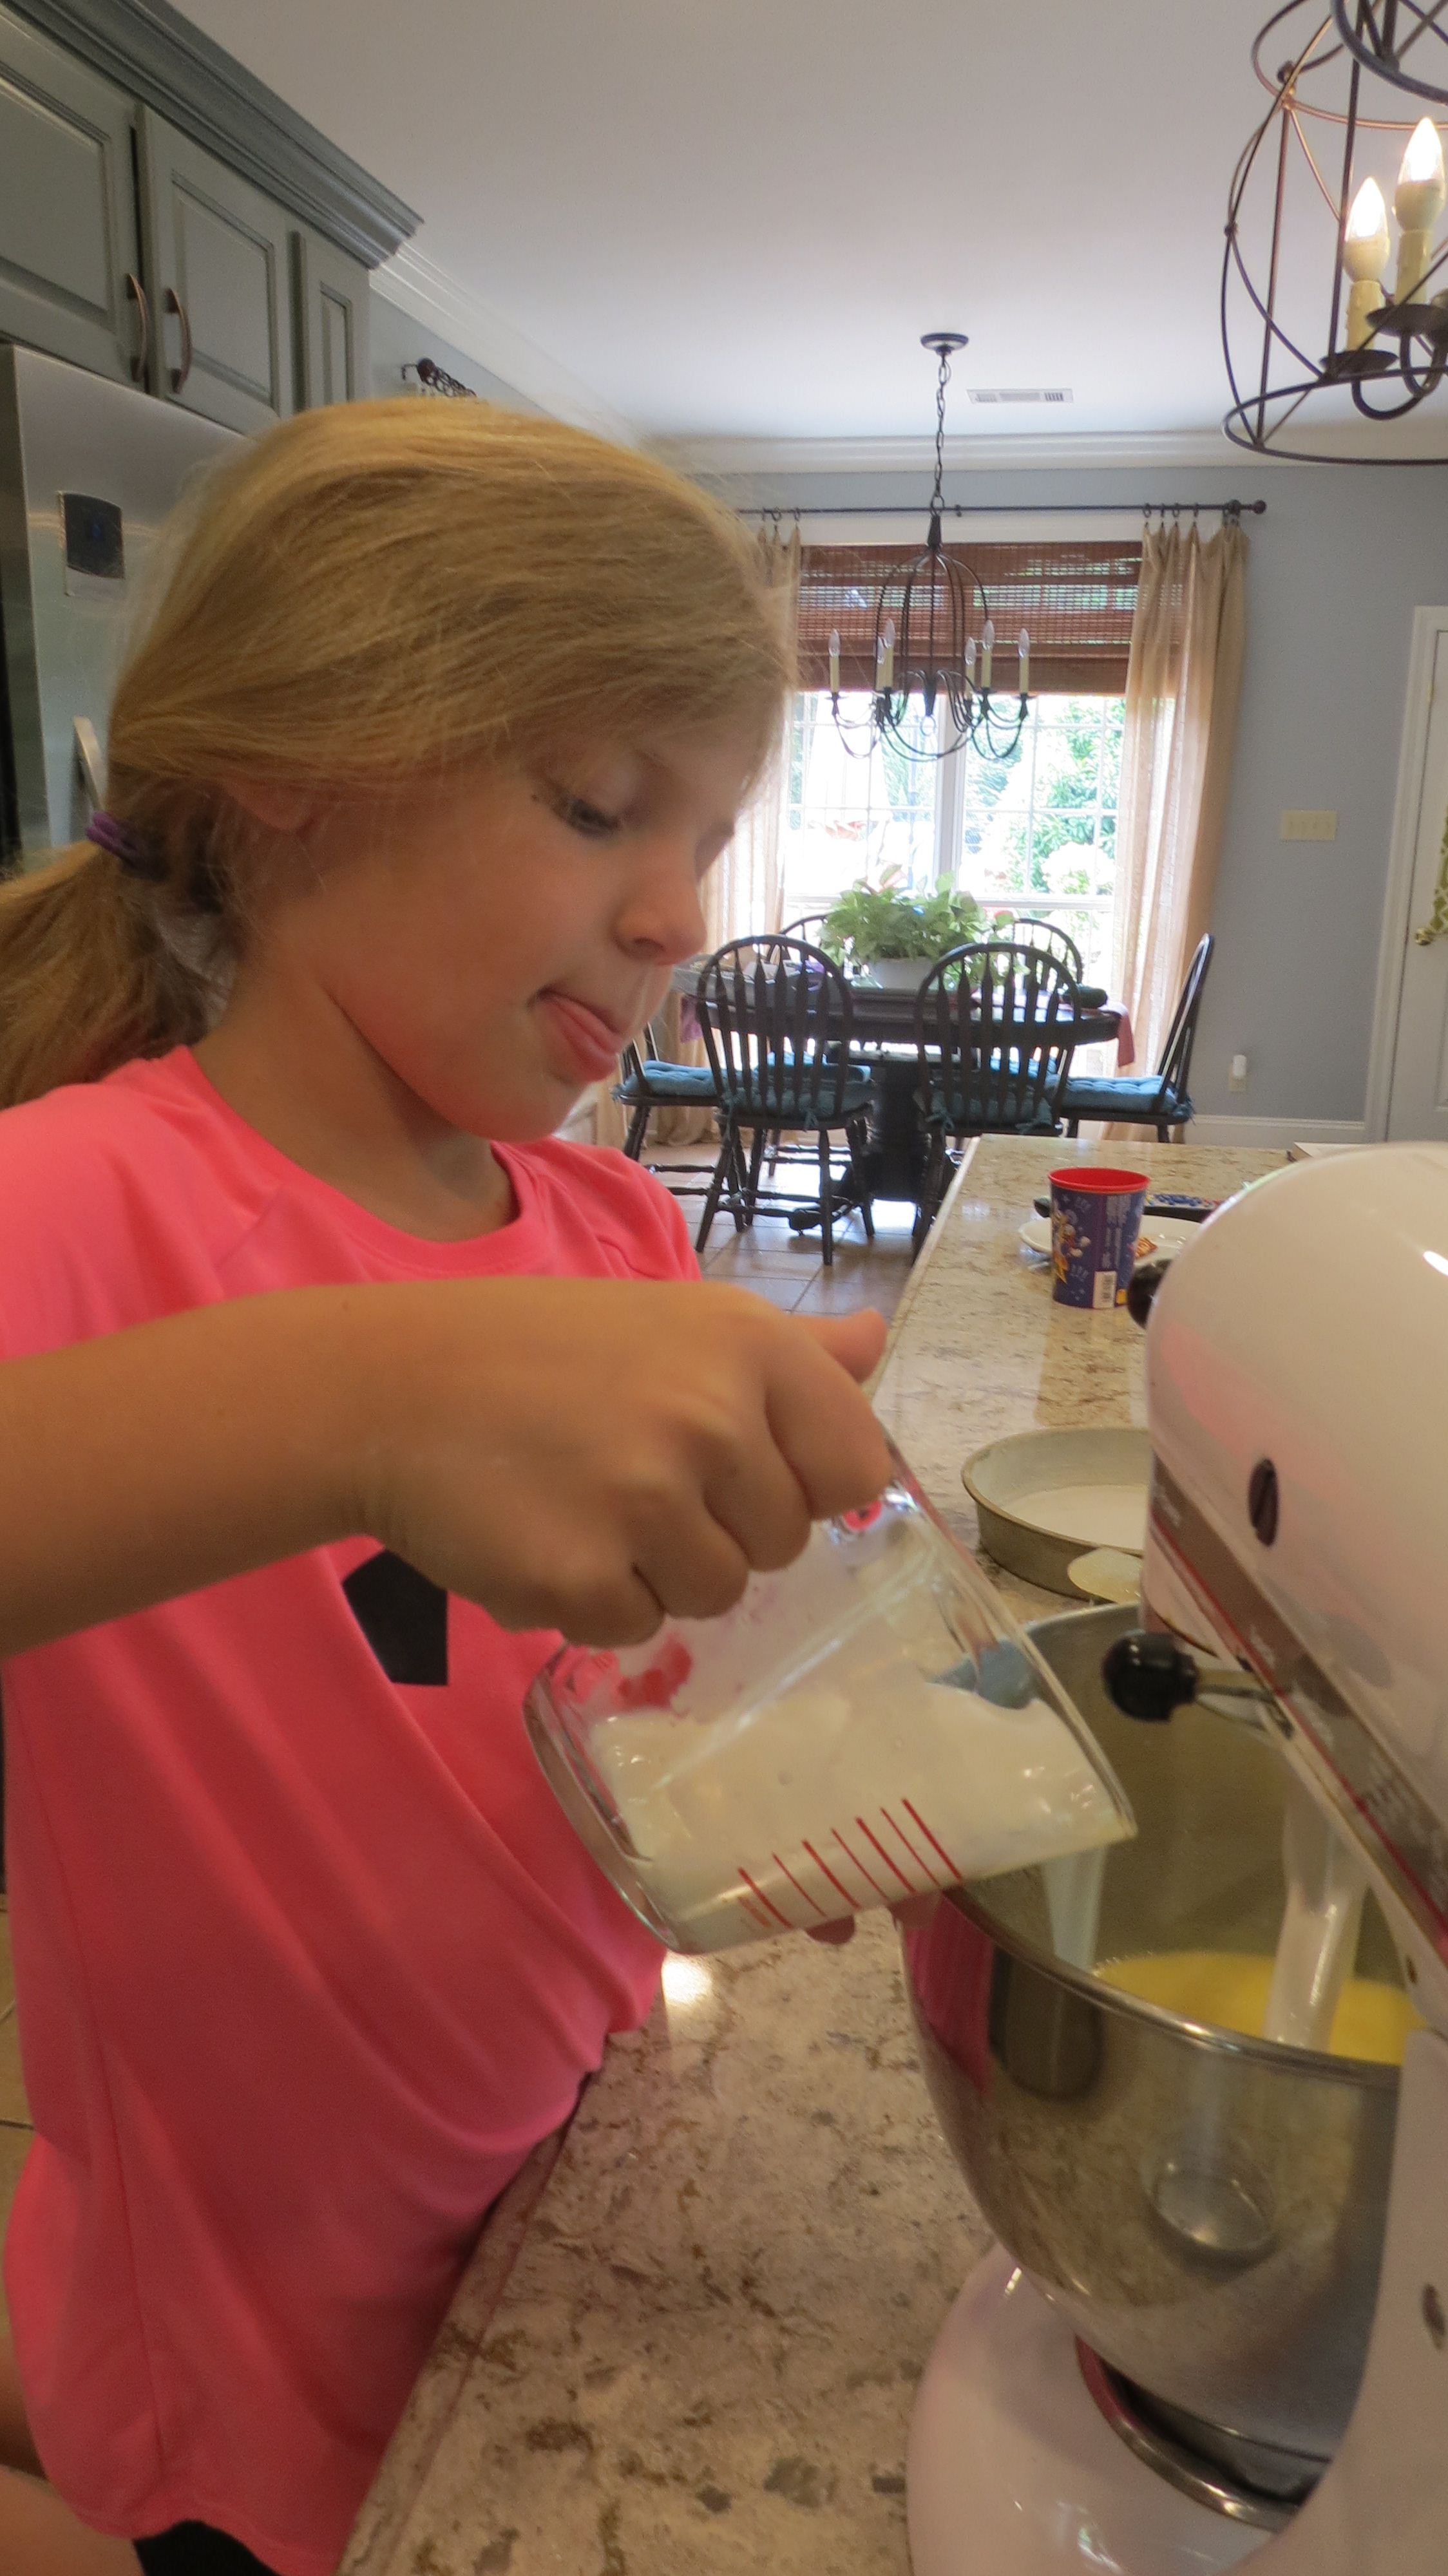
(935, 639)
(1405, 40)
(1314, 327)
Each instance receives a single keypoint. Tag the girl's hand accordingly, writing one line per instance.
(575, 1454)
(588, 1455)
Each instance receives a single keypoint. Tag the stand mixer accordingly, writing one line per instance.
(1296, 1576)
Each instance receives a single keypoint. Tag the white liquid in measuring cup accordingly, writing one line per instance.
(832, 1799)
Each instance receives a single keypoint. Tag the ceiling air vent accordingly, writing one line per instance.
(1019, 393)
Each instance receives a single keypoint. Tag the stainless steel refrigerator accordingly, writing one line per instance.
(88, 471)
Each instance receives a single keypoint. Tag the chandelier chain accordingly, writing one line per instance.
(925, 642)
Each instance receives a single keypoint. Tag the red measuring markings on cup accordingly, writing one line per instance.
(887, 1862)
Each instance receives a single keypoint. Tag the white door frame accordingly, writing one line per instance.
(1428, 625)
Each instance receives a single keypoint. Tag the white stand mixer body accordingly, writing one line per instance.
(1305, 1332)
(1309, 1328)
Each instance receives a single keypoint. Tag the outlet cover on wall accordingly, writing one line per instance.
(1237, 1074)
(1308, 823)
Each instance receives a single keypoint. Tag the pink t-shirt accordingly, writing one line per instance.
(307, 1957)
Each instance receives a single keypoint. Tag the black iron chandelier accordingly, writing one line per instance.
(1403, 39)
(1310, 316)
(935, 641)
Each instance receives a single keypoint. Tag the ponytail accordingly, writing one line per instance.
(89, 977)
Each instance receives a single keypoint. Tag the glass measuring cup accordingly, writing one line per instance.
(865, 1726)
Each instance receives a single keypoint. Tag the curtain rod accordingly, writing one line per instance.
(989, 509)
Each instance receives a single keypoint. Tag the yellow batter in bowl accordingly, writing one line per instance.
(1229, 1989)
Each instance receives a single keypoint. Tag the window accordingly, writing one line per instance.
(1038, 831)
(1035, 833)
(854, 807)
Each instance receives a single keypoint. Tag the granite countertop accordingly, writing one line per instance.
(690, 2335)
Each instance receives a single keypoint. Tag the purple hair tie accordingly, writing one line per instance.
(129, 847)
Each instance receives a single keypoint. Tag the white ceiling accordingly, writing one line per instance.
(734, 218)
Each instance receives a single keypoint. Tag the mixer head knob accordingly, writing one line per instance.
(1148, 1675)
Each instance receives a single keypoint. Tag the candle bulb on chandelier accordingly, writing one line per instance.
(1365, 256)
(1023, 642)
(834, 661)
(879, 666)
(1418, 202)
(889, 653)
(987, 648)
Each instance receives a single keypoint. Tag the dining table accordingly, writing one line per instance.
(882, 1035)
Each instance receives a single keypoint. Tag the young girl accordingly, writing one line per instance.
(413, 779)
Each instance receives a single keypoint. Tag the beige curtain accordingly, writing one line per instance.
(744, 889)
(1188, 641)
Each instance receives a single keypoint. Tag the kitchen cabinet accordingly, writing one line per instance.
(69, 259)
(168, 221)
(331, 303)
(218, 270)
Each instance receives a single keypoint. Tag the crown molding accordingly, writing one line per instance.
(430, 294)
(745, 459)
(1048, 453)
(157, 56)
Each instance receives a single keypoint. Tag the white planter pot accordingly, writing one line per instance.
(897, 974)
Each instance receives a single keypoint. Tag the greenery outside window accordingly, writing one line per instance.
(1035, 833)
(1038, 831)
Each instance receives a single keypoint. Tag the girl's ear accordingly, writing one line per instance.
(277, 808)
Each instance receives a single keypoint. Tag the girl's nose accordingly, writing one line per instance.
(662, 914)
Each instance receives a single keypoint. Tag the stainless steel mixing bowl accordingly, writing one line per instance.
(1205, 2210)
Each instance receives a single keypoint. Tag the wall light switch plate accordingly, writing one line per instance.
(1237, 1074)
(1308, 823)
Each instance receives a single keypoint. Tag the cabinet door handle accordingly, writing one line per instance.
(136, 294)
(179, 374)
(89, 761)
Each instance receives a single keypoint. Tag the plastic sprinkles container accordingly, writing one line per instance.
(1095, 1220)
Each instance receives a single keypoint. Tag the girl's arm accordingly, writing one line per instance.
(575, 1454)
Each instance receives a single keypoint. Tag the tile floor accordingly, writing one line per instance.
(789, 1270)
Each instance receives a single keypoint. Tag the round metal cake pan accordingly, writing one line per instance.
(1003, 1478)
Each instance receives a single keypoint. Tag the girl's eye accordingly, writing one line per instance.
(580, 816)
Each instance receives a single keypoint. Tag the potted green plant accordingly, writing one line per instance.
(894, 935)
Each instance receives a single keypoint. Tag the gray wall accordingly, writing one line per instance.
(397, 341)
(1342, 557)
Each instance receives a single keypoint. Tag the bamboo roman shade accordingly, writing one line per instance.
(1077, 599)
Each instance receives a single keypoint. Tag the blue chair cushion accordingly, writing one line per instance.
(1016, 1117)
(689, 1084)
(1127, 1096)
(784, 1108)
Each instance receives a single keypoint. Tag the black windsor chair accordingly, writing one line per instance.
(805, 928)
(1161, 1099)
(994, 1032)
(776, 1018)
(1027, 931)
(651, 1082)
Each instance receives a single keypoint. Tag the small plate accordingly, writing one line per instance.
(1165, 1235)
(1160, 1239)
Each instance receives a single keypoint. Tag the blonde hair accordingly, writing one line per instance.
(370, 597)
